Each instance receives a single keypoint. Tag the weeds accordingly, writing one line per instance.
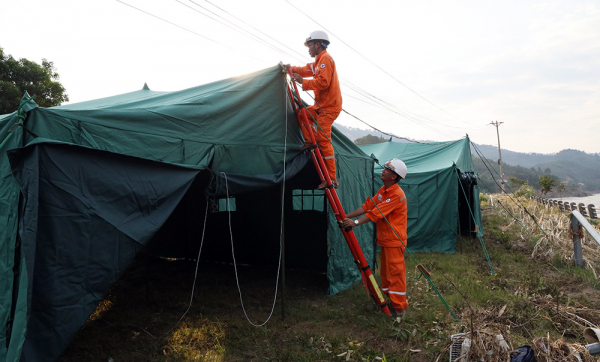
(535, 292)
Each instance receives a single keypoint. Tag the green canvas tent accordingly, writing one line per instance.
(441, 191)
(85, 187)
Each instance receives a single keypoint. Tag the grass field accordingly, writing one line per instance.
(535, 292)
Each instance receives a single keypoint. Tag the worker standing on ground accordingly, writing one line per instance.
(390, 202)
(328, 97)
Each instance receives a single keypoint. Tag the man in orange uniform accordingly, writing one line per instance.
(328, 97)
(390, 202)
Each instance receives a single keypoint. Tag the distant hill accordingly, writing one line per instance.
(354, 133)
(576, 166)
(514, 158)
(570, 166)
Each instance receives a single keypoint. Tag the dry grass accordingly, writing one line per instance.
(559, 351)
(556, 238)
(535, 292)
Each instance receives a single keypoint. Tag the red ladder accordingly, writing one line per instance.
(334, 201)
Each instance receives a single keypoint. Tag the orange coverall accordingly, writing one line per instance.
(392, 203)
(328, 103)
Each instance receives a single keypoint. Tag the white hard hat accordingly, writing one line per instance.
(397, 166)
(317, 35)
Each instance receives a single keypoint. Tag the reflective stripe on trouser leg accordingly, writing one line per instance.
(325, 121)
(393, 276)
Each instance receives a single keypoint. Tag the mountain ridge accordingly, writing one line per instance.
(569, 165)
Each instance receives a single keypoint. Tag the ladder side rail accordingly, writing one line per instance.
(336, 206)
(335, 203)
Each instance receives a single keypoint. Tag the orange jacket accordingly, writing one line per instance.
(325, 83)
(392, 203)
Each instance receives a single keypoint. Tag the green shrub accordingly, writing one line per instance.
(526, 191)
(483, 198)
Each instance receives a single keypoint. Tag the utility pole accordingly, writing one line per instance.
(499, 154)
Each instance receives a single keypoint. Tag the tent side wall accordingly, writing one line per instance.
(433, 190)
(355, 175)
(12, 310)
(432, 211)
(239, 127)
(86, 215)
(432, 220)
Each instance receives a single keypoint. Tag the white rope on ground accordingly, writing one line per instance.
(237, 281)
(195, 273)
(280, 235)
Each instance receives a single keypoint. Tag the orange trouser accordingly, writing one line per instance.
(393, 276)
(325, 121)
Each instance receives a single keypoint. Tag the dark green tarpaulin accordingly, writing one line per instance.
(85, 186)
(110, 219)
(435, 197)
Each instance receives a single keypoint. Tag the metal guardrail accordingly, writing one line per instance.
(589, 210)
(577, 222)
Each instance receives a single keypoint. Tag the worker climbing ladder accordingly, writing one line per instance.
(317, 158)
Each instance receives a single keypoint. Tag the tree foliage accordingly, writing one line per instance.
(518, 176)
(18, 76)
(516, 182)
(546, 183)
(370, 140)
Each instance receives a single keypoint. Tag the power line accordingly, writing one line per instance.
(387, 133)
(235, 17)
(191, 31)
(404, 114)
(483, 159)
(382, 104)
(390, 110)
(241, 30)
(408, 113)
(378, 67)
(378, 130)
(390, 107)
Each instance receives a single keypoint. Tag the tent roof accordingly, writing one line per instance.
(424, 157)
(83, 159)
(241, 126)
(118, 100)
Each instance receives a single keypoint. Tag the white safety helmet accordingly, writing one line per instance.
(317, 35)
(397, 166)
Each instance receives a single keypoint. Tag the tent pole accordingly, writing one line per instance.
(283, 254)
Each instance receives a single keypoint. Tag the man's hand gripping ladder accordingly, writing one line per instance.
(334, 201)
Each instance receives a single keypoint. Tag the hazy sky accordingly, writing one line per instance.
(447, 68)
